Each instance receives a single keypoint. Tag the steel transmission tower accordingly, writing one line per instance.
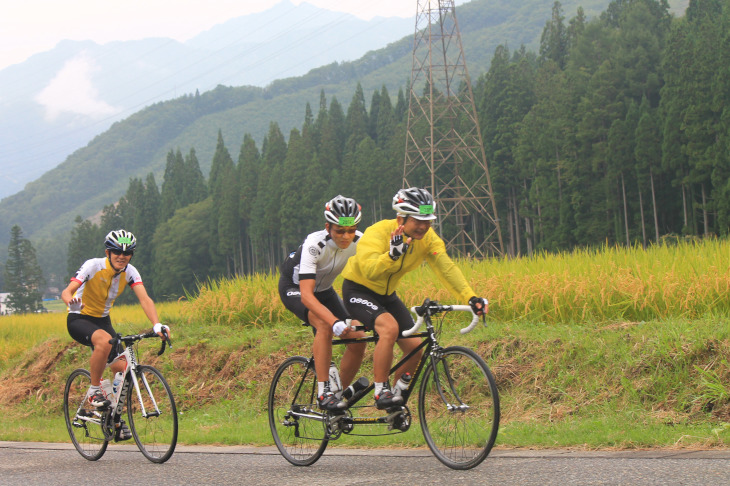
(444, 150)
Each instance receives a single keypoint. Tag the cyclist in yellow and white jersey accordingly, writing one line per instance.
(388, 250)
(90, 295)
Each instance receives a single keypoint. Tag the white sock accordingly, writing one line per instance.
(379, 387)
(321, 385)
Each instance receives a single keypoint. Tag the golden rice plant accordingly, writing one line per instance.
(19, 332)
(609, 283)
(689, 280)
(248, 301)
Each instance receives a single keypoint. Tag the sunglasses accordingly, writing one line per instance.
(120, 252)
(349, 231)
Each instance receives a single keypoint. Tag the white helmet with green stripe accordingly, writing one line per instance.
(343, 211)
(415, 202)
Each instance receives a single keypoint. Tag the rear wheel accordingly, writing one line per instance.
(458, 406)
(295, 421)
(83, 421)
(153, 422)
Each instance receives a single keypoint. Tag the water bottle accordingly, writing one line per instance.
(360, 384)
(335, 384)
(402, 384)
(117, 382)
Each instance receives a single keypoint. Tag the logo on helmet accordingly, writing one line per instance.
(425, 209)
(346, 221)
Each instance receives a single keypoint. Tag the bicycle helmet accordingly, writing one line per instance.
(343, 211)
(415, 202)
(120, 240)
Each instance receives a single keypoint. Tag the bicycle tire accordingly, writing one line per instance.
(300, 440)
(460, 436)
(87, 436)
(155, 433)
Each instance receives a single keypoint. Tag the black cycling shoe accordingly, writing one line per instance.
(386, 399)
(329, 401)
(122, 432)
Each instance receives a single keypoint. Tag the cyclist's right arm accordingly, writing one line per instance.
(372, 262)
(68, 298)
(306, 287)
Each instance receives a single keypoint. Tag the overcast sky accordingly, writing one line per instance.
(31, 26)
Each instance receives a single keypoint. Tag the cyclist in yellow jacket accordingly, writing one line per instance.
(388, 250)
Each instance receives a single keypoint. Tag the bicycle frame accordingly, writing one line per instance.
(457, 400)
(119, 398)
(431, 351)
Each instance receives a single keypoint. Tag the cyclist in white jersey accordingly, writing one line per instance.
(90, 296)
(305, 288)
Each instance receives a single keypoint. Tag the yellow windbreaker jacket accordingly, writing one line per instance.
(373, 268)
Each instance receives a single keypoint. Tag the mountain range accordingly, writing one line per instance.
(56, 101)
(140, 136)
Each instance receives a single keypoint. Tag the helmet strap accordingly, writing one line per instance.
(109, 257)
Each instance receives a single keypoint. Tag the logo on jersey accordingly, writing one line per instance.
(358, 300)
(313, 250)
(292, 293)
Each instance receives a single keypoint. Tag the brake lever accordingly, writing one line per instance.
(165, 342)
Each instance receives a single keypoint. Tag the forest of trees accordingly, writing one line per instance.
(617, 131)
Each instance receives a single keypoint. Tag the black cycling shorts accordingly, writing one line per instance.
(365, 306)
(291, 296)
(81, 327)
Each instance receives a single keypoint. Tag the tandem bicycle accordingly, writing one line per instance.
(458, 401)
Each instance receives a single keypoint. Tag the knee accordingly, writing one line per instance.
(357, 349)
(100, 340)
(323, 329)
(388, 334)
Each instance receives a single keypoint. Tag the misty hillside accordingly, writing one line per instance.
(56, 101)
(99, 173)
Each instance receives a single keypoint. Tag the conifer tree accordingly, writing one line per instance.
(23, 275)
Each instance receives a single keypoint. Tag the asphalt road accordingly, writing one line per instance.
(24, 463)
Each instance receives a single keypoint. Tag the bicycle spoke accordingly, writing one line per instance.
(294, 418)
(152, 415)
(83, 422)
(459, 408)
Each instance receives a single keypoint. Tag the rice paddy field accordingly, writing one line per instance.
(598, 348)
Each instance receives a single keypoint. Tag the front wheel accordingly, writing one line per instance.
(295, 421)
(458, 406)
(84, 423)
(152, 415)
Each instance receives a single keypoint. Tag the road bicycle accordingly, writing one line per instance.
(145, 394)
(458, 401)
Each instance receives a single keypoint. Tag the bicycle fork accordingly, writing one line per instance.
(147, 388)
(436, 359)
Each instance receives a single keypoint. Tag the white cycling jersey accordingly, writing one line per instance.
(318, 258)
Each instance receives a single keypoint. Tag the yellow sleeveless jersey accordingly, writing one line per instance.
(373, 268)
(101, 285)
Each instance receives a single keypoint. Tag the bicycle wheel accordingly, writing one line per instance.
(153, 416)
(458, 406)
(83, 424)
(299, 438)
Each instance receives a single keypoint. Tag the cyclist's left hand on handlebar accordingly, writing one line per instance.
(340, 327)
(478, 305)
(157, 328)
